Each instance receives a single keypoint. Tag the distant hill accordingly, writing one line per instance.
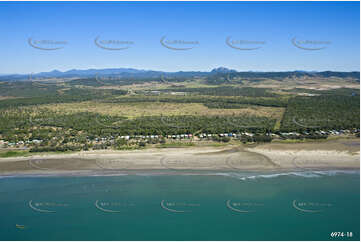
(90, 72)
(222, 70)
(135, 73)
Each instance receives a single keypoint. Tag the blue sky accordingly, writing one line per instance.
(270, 26)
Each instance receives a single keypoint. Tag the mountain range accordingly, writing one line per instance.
(136, 73)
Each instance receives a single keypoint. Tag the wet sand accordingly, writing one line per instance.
(339, 154)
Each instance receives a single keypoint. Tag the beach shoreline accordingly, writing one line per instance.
(270, 157)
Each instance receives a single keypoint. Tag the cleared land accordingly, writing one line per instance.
(133, 110)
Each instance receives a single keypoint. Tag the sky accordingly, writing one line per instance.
(179, 36)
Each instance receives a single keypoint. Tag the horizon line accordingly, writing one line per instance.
(141, 69)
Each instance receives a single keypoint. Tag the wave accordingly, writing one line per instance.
(237, 175)
(305, 174)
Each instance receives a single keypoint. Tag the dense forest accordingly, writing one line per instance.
(19, 123)
(322, 112)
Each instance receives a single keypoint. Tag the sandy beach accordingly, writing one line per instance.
(338, 154)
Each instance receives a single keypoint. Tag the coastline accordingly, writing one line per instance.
(270, 157)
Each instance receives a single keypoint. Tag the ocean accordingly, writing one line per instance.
(304, 205)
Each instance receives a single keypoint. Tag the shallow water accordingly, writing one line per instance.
(302, 205)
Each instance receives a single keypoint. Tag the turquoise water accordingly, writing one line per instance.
(223, 206)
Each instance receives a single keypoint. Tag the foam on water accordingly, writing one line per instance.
(306, 174)
(241, 175)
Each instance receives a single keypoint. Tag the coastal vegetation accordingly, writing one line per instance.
(90, 114)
